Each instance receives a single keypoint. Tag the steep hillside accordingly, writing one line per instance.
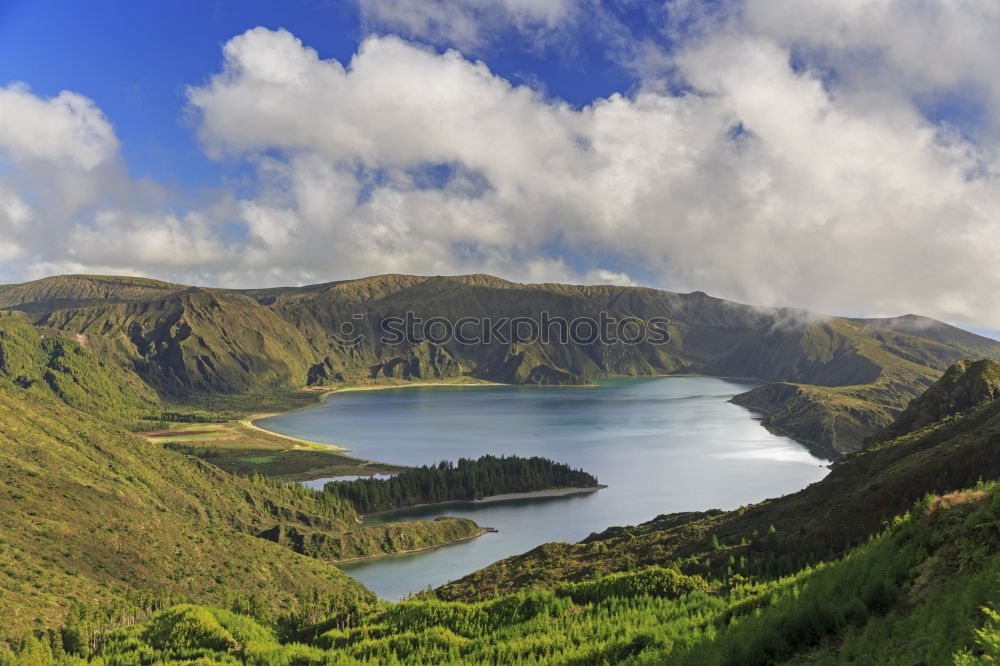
(833, 405)
(54, 364)
(931, 329)
(91, 513)
(194, 341)
(913, 594)
(184, 341)
(965, 385)
(824, 520)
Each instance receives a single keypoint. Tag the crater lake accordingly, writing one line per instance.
(660, 444)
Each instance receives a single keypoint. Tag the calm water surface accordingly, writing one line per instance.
(661, 445)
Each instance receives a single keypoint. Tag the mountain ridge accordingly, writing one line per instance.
(184, 340)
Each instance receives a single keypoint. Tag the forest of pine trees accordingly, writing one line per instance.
(468, 480)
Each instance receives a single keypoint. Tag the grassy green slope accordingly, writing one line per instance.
(854, 378)
(831, 421)
(60, 366)
(90, 512)
(910, 595)
(708, 335)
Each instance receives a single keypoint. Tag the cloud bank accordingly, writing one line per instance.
(799, 165)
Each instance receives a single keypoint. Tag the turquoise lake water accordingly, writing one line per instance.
(661, 444)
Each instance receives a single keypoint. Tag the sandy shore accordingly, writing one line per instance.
(554, 492)
(312, 445)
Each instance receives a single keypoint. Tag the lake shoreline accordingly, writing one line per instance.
(248, 423)
(504, 497)
(412, 551)
(534, 494)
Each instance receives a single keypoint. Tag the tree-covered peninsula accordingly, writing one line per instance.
(466, 481)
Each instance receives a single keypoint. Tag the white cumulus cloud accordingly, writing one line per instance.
(67, 128)
(769, 179)
(763, 185)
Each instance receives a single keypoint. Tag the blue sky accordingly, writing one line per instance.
(837, 156)
(134, 59)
